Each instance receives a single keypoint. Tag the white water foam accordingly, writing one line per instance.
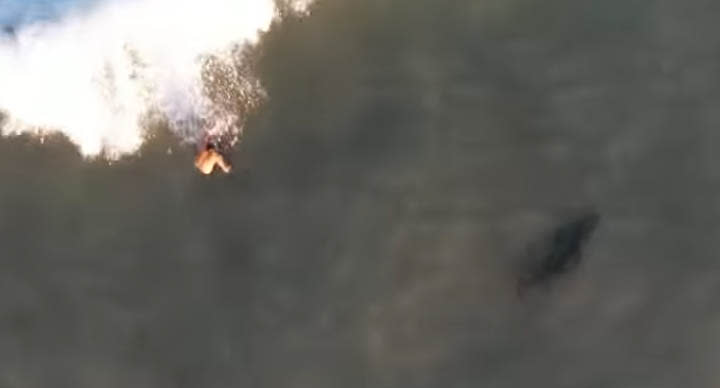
(100, 76)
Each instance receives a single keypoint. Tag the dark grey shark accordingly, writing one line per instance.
(561, 251)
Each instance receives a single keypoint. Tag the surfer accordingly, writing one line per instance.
(209, 157)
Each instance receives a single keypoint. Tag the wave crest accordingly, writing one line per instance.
(100, 77)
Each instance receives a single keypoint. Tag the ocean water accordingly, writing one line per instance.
(409, 162)
(19, 12)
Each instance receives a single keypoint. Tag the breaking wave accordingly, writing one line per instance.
(104, 75)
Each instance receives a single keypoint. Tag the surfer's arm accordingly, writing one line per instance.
(224, 165)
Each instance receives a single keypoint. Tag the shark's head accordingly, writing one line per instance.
(587, 223)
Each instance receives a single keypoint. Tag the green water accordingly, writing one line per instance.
(385, 200)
